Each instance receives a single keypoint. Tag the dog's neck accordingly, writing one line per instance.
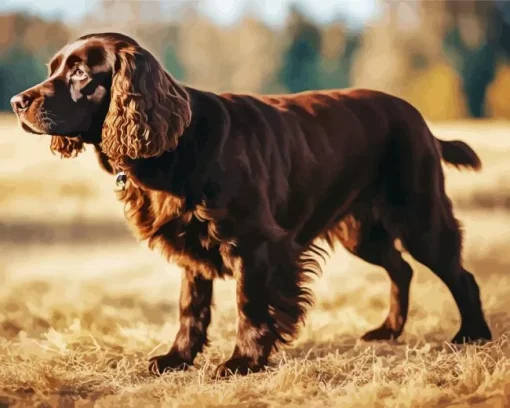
(183, 172)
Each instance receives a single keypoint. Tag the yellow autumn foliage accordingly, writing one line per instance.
(498, 103)
(437, 93)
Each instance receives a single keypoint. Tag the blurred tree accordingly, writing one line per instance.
(497, 93)
(162, 39)
(339, 46)
(7, 31)
(384, 59)
(255, 56)
(436, 91)
(26, 51)
(19, 70)
(204, 52)
(447, 51)
(476, 39)
(172, 63)
(432, 53)
(301, 60)
(237, 58)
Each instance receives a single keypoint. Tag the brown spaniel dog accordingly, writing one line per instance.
(245, 185)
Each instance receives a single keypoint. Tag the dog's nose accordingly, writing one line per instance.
(20, 102)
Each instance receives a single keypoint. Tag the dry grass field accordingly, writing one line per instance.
(83, 305)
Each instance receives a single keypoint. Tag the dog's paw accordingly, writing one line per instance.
(383, 332)
(167, 362)
(472, 337)
(238, 365)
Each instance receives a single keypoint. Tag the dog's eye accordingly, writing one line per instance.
(79, 74)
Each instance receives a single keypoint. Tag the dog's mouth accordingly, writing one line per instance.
(39, 123)
(30, 127)
(44, 123)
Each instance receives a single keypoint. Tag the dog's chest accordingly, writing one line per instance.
(188, 237)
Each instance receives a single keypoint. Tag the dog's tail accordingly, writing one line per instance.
(460, 155)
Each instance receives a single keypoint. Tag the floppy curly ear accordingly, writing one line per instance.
(148, 110)
(67, 147)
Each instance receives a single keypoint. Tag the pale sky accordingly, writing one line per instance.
(222, 11)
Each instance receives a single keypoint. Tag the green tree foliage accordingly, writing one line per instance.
(477, 63)
(476, 66)
(32, 41)
(19, 70)
(301, 61)
(173, 64)
(339, 76)
(252, 57)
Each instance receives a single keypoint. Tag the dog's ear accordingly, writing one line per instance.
(148, 110)
(66, 147)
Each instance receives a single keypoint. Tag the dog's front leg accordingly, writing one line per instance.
(255, 332)
(195, 316)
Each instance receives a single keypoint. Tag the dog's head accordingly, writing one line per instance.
(107, 90)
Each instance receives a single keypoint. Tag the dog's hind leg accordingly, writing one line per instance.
(438, 246)
(432, 235)
(376, 246)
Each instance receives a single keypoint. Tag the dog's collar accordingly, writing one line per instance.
(121, 180)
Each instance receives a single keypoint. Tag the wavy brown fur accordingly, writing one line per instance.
(247, 185)
(148, 109)
(66, 147)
